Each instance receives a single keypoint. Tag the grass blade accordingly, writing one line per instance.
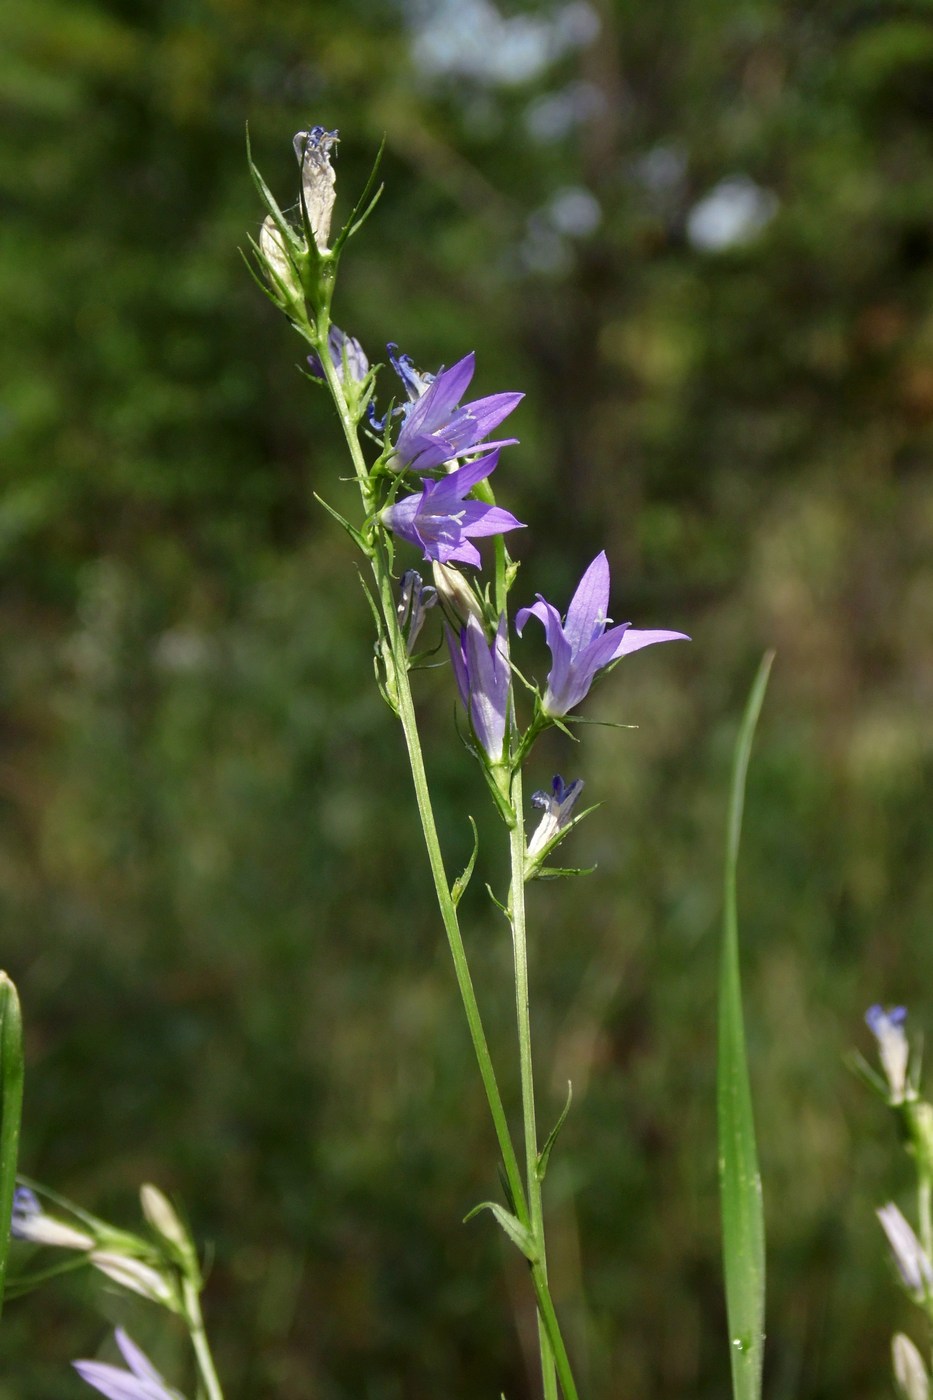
(11, 1107)
(743, 1227)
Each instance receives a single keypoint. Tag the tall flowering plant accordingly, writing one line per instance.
(424, 460)
(425, 467)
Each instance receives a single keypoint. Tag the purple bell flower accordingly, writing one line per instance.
(441, 521)
(141, 1382)
(581, 647)
(484, 677)
(436, 428)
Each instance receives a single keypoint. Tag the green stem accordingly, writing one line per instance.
(924, 1190)
(523, 1020)
(202, 1351)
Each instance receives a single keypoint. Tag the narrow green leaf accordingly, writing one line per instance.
(344, 524)
(11, 1108)
(743, 1229)
(545, 1153)
(459, 885)
(518, 1233)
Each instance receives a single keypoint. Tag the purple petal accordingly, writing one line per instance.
(488, 669)
(136, 1359)
(478, 519)
(435, 407)
(400, 517)
(117, 1384)
(634, 640)
(459, 483)
(589, 606)
(464, 553)
(559, 676)
(601, 652)
(455, 647)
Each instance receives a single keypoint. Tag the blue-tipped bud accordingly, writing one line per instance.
(893, 1050)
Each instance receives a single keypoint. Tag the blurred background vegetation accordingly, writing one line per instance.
(699, 237)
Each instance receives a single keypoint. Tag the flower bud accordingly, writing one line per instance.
(909, 1370)
(161, 1215)
(457, 597)
(135, 1276)
(913, 1264)
(893, 1050)
(317, 180)
(279, 269)
(31, 1223)
(414, 601)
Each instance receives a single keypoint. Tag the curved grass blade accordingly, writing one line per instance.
(11, 1107)
(743, 1228)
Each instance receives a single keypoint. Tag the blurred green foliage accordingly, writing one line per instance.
(213, 897)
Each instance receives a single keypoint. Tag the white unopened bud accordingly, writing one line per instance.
(909, 1371)
(318, 179)
(139, 1278)
(31, 1223)
(161, 1215)
(282, 274)
(456, 595)
(911, 1259)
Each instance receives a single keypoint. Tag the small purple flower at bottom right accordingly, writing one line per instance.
(580, 646)
(141, 1382)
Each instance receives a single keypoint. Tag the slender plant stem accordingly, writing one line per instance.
(924, 1190)
(202, 1351)
(523, 1020)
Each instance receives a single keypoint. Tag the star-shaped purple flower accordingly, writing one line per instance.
(141, 1382)
(581, 647)
(436, 428)
(440, 520)
(483, 676)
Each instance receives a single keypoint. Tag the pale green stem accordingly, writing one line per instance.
(202, 1351)
(924, 1191)
(523, 1020)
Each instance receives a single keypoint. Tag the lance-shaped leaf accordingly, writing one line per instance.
(518, 1233)
(544, 1155)
(11, 1109)
(743, 1228)
(459, 885)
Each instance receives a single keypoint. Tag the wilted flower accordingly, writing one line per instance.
(414, 601)
(483, 678)
(557, 806)
(141, 1382)
(581, 647)
(30, 1222)
(909, 1255)
(283, 277)
(440, 520)
(436, 429)
(344, 350)
(888, 1029)
(313, 150)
